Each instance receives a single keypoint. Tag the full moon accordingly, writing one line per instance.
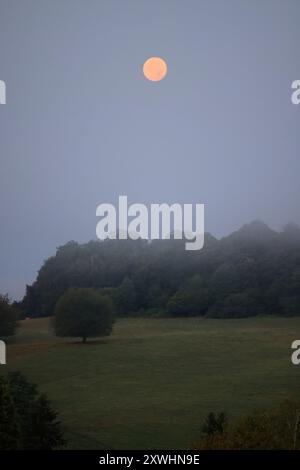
(155, 69)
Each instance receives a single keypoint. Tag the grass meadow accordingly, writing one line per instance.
(151, 383)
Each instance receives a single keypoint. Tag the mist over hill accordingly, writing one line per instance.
(254, 270)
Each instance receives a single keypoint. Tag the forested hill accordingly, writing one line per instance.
(252, 271)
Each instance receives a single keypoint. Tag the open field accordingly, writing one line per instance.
(153, 381)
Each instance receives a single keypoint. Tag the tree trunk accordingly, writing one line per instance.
(296, 429)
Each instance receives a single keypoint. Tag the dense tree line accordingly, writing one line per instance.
(9, 315)
(252, 271)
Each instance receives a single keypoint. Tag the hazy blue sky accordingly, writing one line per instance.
(82, 125)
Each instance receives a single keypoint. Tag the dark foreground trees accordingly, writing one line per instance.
(27, 420)
(8, 317)
(83, 313)
(275, 429)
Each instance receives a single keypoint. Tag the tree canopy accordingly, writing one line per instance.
(83, 313)
(27, 419)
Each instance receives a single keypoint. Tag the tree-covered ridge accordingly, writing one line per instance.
(254, 270)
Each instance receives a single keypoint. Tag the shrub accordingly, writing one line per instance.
(278, 428)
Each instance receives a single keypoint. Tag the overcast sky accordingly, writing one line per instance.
(82, 125)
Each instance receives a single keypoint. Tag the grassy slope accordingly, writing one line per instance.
(152, 382)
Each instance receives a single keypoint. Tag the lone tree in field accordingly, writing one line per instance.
(8, 317)
(83, 313)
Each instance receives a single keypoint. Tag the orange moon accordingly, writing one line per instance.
(155, 69)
